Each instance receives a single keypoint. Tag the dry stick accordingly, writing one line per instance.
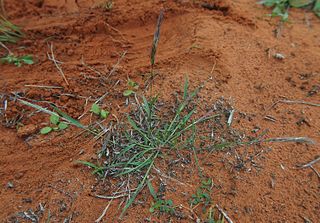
(310, 163)
(104, 212)
(291, 139)
(43, 86)
(107, 207)
(117, 64)
(310, 166)
(6, 48)
(52, 58)
(191, 210)
(170, 178)
(224, 214)
(111, 197)
(295, 102)
(118, 31)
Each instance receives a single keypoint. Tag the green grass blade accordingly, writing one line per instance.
(151, 189)
(68, 118)
(37, 107)
(139, 188)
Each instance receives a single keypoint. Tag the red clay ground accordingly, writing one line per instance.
(235, 39)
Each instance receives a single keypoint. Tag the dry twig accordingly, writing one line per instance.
(310, 166)
(295, 102)
(56, 63)
(224, 214)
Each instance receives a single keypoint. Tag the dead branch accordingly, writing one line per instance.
(56, 63)
(224, 214)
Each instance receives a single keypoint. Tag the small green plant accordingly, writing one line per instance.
(132, 87)
(202, 195)
(163, 206)
(95, 109)
(56, 125)
(57, 113)
(281, 7)
(18, 61)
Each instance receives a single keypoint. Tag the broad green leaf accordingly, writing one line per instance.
(300, 3)
(104, 114)
(127, 93)
(46, 130)
(54, 119)
(95, 109)
(27, 59)
(316, 8)
(133, 84)
(68, 118)
(268, 3)
(151, 189)
(63, 126)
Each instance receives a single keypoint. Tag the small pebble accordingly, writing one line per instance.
(279, 56)
(10, 185)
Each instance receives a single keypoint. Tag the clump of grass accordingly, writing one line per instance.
(281, 7)
(10, 33)
(146, 136)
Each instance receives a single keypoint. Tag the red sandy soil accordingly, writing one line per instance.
(230, 48)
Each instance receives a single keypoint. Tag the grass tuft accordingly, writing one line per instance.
(146, 136)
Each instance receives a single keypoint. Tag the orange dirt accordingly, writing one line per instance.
(229, 47)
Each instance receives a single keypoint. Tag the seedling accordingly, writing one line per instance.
(56, 125)
(57, 112)
(281, 7)
(18, 61)
(164, 206)
(132, 87)
(202, 195)
(95, 109)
